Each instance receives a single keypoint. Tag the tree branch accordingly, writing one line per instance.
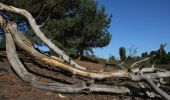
(40, 12)
(55, 87)
(135, 63)
(39, 33)
(50, 61)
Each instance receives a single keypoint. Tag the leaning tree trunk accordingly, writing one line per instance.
(25, 44)
(95, 75)
(39, 33)
(55, 87)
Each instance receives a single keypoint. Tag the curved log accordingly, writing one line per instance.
(58, 87)
(39, 33)
(79, 70)
(55, 87)
(14, 60)
(50, 61)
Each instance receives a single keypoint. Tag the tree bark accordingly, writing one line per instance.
(55, 87)
(39, 33)
(18, 37)
(25, 44)
(140, 61)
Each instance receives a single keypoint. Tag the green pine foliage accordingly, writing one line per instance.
(75, 26)
(122, 53)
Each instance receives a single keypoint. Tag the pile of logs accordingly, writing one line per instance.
(150, 76)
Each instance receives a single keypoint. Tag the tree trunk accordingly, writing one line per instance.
(55, 87)
(39, 33)
(21, 42)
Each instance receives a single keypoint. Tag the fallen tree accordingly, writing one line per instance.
(12, 34)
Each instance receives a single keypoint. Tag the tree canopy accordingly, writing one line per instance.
(75, 26)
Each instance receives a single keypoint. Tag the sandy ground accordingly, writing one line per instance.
(13, 88)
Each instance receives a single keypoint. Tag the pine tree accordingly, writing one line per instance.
(75, 26)
(122, 53)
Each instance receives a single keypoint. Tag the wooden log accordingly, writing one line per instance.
(55, 87)
(39, 33)
(50, 61)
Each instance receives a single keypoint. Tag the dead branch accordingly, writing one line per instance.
(55, 87)
(140, 61)
(45, 22)
(39, 33)
(143, 70)
(40, 12)
(50, 61)
(12, 33)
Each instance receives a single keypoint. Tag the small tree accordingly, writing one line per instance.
(161, 51)
(111, 58)
(145, 54)
(122, 53)
(161, 55)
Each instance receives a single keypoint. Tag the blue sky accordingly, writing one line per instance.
(143, 24)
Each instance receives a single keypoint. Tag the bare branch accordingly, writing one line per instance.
(46, 21)
(140, 61)
(40, 12)
(55, 87)
(39, 33)
(143, 70)
(50, 61)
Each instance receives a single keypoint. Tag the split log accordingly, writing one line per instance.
(18, 37)
(55, 87)
(63, 88)
(39, 33)
(79, 70)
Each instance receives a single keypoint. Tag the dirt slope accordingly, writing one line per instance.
(13, 88)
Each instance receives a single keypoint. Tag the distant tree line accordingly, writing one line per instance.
(161, 55)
